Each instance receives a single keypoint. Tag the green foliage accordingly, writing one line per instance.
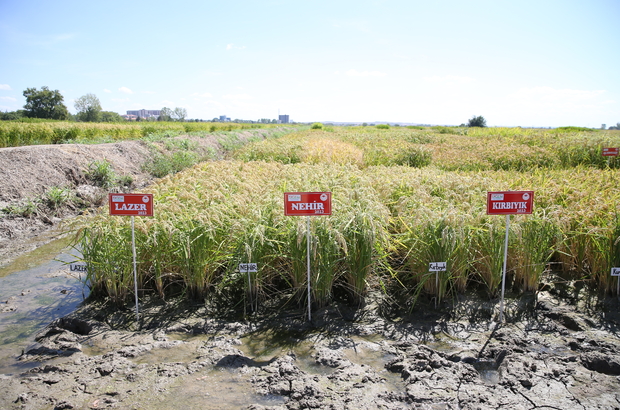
(416, 157)
(58, 197)
(443, 130)
(26, 209)
(478, 121)
(316, 126)
(574, 129)
(165, 114)
(88, 108)
(12, 115)
(163, 164)
(45, 104)
(109, 116)
(101, 173)
(382, 126)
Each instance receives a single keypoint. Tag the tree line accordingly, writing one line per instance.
(49, 104)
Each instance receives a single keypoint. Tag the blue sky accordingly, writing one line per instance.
(524, 63)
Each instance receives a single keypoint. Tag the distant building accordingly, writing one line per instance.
(224, 118)
(283, 119)
(130, 117)
(144, 113)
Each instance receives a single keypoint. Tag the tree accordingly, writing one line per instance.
(165, 114)
(109, 116)
(12, 115)
(45, 104)
(88, 108)
(478, 121)
(179, 114)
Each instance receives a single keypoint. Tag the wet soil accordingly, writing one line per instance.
(548, 356)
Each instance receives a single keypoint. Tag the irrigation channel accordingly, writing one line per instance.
(35, 290)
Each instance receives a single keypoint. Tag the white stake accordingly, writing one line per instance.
(135, 273)
(501, 303)
(308, 260)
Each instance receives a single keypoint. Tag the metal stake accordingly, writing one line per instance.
(308, 260)
(135, 272)
(501, 303)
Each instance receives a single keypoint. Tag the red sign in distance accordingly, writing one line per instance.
(307, 203)
(610, 152)
(510, 202)
(131, 204)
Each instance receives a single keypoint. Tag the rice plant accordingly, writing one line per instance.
(534, 243)
(214, 215)
(488, 248)
(439, 241)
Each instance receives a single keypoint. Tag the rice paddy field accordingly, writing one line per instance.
(17, 133)
(401, 199)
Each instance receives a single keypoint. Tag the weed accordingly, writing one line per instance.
(57, 197)
(101, 173)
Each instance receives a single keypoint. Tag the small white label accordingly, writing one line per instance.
(118, 198)
(77, 267)
(615, 271)
(497, 197)
(437, 266)
(248, 267)
(295, 197)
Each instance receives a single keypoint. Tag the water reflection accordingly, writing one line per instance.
(32, 298)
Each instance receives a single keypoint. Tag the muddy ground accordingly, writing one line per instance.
(547, 356)
(557, 350)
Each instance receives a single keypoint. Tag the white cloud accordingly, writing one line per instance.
(205, 95)
(125, 90)
(355, 73)
(105, 90)
(449, 79)
(8, 98)
(120, 99)
(5, 87)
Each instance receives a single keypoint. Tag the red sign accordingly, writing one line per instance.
(131, 204)
(307, 203)
(510, 202)
(610, 152)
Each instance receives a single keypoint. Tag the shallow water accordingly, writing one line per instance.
(40, 288)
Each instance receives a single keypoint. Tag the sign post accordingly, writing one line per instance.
(249, 268)
(616, 272)
(437, 267)
(508, 203)
(308, 204)
(132, 205)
